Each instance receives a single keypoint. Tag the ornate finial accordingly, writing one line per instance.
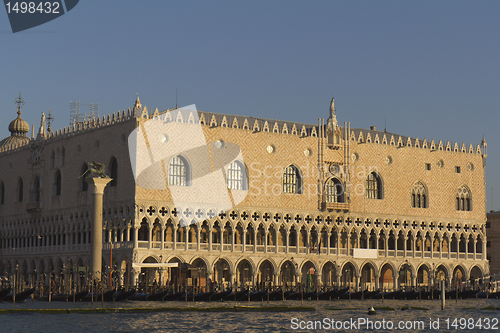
(49, 121)
(19, 102)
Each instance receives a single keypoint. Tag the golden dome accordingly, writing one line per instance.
(18, 127)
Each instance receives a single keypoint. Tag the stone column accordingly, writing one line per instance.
(97, 186)
(161, 281)
(135, 276)
(162, 236)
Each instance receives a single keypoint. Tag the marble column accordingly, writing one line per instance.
(97, 185)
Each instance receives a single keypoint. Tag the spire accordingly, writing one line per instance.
(137, 104)
(484, 147)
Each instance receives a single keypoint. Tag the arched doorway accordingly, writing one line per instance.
(329, 275)
(265, 275)
(309, 276)
(244, 274)
(348, 279)
(199, 276)
(368, 277)
(222, 274)
(476, 278)
(148, 279)
(405, 276)
(287, 274)
(387, 277)
(423, 277)
(441, 275)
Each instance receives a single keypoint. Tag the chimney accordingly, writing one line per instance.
(373, 128)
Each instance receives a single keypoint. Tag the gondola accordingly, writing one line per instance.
(201, 297)
(138, 297)
(219, 296)
(158, 296)
(278, 295)
(408, 295)
(235, 296)
(467, 293)
(20, 297)
(4, 292)
(123, 295)
(173, 296)
(65, 297)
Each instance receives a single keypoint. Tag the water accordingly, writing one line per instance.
(246, 321)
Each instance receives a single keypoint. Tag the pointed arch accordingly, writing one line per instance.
(20, 190)
(113, 171)
(57, 184)
(374, 186)
(179, 171)
(292, 180)
(334, 190)
(464, 198)
(419, 195)
(2, 193)
(236, 176)
(83, 186)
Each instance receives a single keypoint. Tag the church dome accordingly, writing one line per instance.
(18, 129)
(18, 126)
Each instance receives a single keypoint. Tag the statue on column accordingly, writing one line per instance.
(95, 168)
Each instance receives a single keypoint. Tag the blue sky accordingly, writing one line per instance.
(431, 68)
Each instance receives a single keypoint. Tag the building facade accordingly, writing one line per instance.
(493, 243)
(324, 205)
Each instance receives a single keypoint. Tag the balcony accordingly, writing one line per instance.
(336, 206)
(33, 207)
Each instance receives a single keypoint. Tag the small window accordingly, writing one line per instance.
(457, 169)
(488, 244)
(427, 166)
(488, 225)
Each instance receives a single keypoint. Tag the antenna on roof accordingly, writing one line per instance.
(385, 122)
(176, 98)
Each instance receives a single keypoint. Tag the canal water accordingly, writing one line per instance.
(352, 316)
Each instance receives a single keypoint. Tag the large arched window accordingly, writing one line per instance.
(36, 190)
(20, 191)
(113, 167)
(374, 186)
(178, 172)
(292, 180)
(236, 176)
(83, 185)
(464, 199)
(419, 196)
(52, 159)
(2, 193)
(334, 190)
(57, 183)
(63, 156)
